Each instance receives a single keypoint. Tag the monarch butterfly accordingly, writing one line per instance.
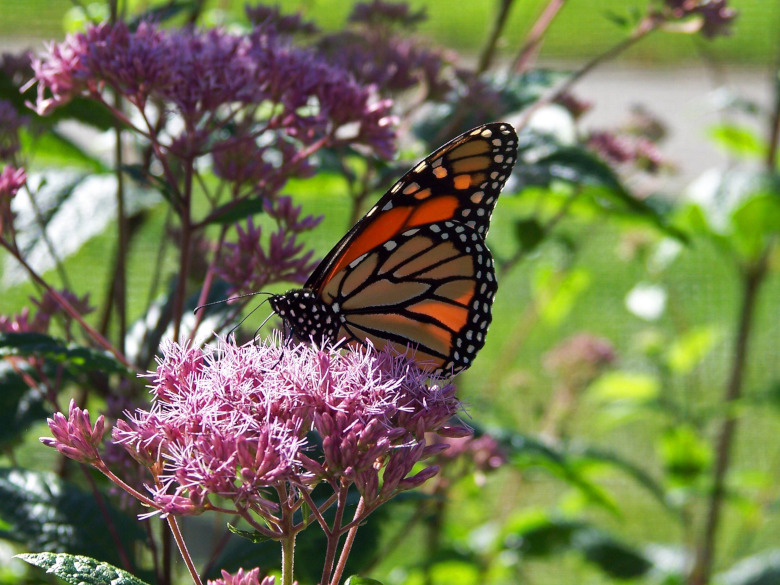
(415, 270)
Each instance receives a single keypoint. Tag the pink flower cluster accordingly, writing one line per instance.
(242, 577)
(231, 423)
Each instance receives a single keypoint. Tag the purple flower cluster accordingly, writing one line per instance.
(47, 308)
(207, 76)
(376, 54)
(624, 149)
(580, 359)
(716, 16)
(252, 263)
(230, 423)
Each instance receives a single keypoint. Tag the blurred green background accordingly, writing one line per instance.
(583, 29)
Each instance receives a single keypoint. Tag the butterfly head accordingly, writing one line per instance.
(305, 316)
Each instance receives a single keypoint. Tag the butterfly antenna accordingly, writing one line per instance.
(257, 331)
(199, 307)
(250, 314)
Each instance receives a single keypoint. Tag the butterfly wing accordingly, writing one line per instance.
(458, 182)
(430, 287)
(415, 270)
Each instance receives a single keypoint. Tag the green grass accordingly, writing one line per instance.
(584, 28)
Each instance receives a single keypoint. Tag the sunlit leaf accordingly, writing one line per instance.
(557, 291)
(622, 385)
(684, 454)
(54, 148)
(690, 348)
(738, 140)
(78, 570)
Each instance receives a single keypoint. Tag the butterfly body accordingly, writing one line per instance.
(415, 271)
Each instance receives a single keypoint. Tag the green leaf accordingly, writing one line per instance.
(147, 180)
(20, 405)
(527, 452)
(355, 580)
(615, 558)
(529, 233)
(738, 140)
(52, 148)
(160, 14)
(253, 536)
(236, 211)
(755, 223)
(76, 569)
(642, 477)
(687, 351)
(621, 386)
(760, 569)
(557, 291)
(45, 513)
(538, 535)
(685, 455)
(75, 358)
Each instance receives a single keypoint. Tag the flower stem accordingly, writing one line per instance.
(120, 284)
(67, 307)
(185, 555)
(525, 56)
(702, 567)
(489, 51)
(341, 565)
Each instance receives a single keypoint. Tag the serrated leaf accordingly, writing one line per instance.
(355, 580)
(75, 569)
(75, 358)
(45, 513)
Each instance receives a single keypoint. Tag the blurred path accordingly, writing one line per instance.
(684, 99)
